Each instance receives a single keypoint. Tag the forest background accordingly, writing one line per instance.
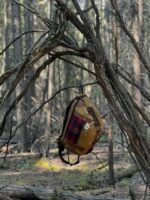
(45, 56)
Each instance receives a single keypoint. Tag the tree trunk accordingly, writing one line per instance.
(136, 29)
(111, 153)
(28, 103)
(7, 27)
(17, 57)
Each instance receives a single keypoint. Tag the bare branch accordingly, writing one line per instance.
(97, 26)
(86, 23)
(31, 81)
(19, 97)
(46, 21)
(86, 10)
(129, 34)
(71, 53)
(32, 31)
(133, 82)
(73, 47)
(144, 115)
(95, 42)
(48, 100)
(76, 65)
(26, 64)
(7, 74)
(73, 18)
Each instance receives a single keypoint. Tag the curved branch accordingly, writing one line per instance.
(26, 32)
(7, 74)
(37, 54)
(81, 54)
(19, 97)
(48, 100)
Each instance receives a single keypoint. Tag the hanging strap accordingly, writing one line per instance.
(61, 154)
(81, 89)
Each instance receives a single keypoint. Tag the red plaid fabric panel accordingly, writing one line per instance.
(74, 129)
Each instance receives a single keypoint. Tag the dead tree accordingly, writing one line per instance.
(127, 113)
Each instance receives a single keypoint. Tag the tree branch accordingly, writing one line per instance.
(97, 26)
(19, 97)
(73, 18)
(36, 55)
(134, 83)
(7, 74)
(86, 10)
(144, 116)
(132, 39)
(86, 23)
(48, 100)
(79, 66)
(32, 31)
(46, 21)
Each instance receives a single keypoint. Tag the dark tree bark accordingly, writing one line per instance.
(111, 154)
(7, 14)
(17, 57)
(29, 41)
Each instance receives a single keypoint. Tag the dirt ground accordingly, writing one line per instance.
(89, 177)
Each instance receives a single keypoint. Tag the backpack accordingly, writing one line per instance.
(81, 128)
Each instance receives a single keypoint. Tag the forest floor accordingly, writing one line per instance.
(89, 177)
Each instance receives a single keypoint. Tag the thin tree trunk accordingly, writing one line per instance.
(29, 40)
(136, 29)
(7, 15)
(17, 57)
(111, 153)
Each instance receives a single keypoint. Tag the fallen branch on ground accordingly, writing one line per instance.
(33, 193)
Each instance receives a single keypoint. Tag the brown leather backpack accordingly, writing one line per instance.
(81, 128)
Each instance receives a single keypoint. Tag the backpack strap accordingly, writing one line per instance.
(81, 89)
(61, 154)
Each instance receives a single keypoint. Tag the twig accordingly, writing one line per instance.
(47, 101)
(24, 33)
(46, 21)
(86, 10)
(19, 97)
(76, 65)
(132, 81)
(21, 71)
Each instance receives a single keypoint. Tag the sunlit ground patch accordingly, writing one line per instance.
(47, 164)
